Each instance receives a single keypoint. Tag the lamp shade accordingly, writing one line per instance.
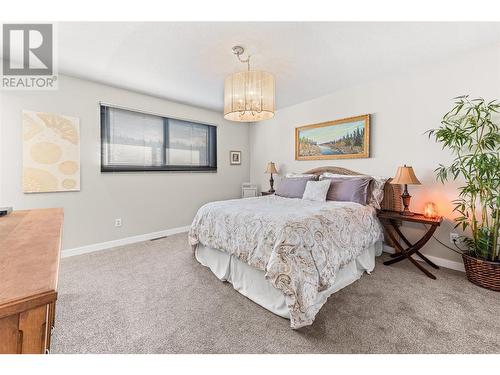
(271, 168)
(249, 96)
(405, 176)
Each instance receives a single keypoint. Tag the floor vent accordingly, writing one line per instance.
(158, 238)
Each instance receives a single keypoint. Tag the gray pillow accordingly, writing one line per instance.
(293, 187)
(349, 189)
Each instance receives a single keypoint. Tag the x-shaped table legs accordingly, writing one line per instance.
(411, 249)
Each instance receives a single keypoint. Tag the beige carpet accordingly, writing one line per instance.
(154, 297)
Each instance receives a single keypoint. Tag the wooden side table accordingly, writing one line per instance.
(263, 193)
(390, 219)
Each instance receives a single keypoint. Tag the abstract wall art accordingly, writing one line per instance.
(51, 152)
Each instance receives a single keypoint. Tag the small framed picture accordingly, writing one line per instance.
(235, 157)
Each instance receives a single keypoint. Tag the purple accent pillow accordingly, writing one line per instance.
(293, 187)
(349, 189)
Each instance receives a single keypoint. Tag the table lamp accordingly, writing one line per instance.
(405, 176)
(271, 168)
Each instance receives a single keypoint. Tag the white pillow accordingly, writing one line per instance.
(336, 175)
(376, 192)
(316, 190)
(330, 175)
(299, 175)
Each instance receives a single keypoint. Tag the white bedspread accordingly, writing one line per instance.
(300, 244)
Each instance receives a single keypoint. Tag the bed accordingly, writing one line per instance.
(286, 254)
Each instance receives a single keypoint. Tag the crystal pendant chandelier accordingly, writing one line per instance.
(248, 95)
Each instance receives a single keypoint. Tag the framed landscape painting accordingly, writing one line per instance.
(347, 138)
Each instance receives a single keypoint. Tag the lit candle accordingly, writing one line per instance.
(430, 210)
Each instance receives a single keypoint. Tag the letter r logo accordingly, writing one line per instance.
(27, 49)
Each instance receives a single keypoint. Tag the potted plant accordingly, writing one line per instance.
(471, 132)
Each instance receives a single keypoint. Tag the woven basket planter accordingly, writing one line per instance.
(482, 272)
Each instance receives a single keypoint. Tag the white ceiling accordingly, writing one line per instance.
(187, 62)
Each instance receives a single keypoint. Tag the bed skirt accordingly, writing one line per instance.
(251, 282)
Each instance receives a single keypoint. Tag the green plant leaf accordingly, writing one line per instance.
(470, 130)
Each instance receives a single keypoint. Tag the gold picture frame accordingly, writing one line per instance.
(347, 138)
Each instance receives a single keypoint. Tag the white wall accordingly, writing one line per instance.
(146, 202)
(403, 107)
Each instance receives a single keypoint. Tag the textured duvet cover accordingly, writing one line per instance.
(300, 244)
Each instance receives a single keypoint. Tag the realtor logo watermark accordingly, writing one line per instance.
(28, 61)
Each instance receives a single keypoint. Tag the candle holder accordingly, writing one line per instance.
(431, 210)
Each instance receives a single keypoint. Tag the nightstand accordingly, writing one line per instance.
(390, 221)
(248, 190)
(263, 193)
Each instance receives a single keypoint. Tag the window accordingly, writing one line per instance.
(134, 141)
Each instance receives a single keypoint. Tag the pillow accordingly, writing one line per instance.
(292, 187)
(336, 175)
(301, 175)
(348, 189)
(316, 190)
(375, 189)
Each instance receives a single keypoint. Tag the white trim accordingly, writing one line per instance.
(451, 264)
(122, 241)
(389, 249)
(441, 262)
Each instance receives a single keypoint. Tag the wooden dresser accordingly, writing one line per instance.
(30, 247)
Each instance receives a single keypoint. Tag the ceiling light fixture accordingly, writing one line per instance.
(248, 95)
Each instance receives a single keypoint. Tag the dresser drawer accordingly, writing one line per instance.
(27, 327)
(30, 243)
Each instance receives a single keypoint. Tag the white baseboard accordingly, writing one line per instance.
(389, 249)
(122, 241)
(451, 264)
(441, 262)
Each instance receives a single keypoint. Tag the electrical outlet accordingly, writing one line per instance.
(118, 222)
(454, 237)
